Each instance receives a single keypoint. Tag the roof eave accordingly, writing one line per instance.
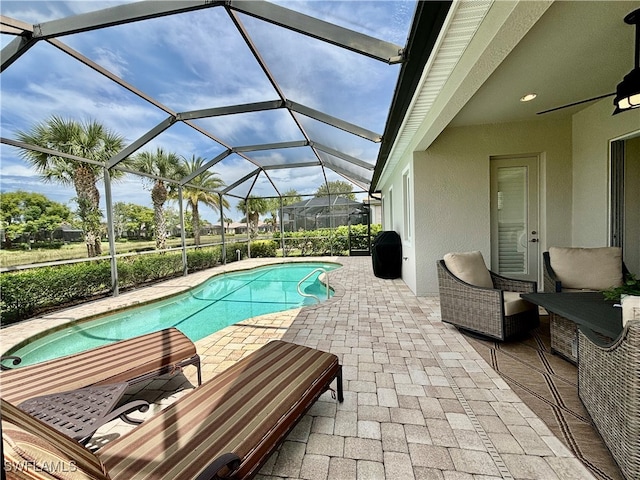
(427, 22)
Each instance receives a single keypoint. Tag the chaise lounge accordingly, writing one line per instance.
(133, 360)
(226, 428)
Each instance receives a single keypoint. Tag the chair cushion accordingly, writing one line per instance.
(247, 410)
(514, 304)
(114, 363)
(33, 449)
(587, 268)
(469, 267)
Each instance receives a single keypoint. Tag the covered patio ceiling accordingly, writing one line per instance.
(275, 97)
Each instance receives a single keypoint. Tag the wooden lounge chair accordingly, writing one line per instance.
(131, 361)
(227, 427)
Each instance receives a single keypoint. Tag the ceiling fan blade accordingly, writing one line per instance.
(575, 103)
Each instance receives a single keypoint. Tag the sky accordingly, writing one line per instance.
(198, 60)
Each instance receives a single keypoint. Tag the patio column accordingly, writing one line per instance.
(183, 234)
(246, 216)
(224, 241)
(284, 252)
(111, 233)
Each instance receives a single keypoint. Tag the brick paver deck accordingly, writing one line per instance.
(420, 403)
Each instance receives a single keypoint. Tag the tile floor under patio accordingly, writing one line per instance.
(420, 403)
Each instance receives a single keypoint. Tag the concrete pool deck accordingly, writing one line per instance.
(420, 403)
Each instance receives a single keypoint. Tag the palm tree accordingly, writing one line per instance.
(199, 191)
(90, 140)
(253, 207)
(166, 165)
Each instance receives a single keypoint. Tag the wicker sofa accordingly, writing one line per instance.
(476, 299)
(609, 387)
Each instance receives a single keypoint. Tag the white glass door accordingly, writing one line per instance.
(514, 217)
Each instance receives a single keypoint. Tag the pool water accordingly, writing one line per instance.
(217, 303)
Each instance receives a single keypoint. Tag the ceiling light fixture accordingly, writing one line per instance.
(528, 97)
(628, 91)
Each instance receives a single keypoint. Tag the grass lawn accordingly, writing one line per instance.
(12, 258)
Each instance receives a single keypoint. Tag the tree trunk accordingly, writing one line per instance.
(195, 223)
(254, 218)
(158, 197)
(88, 208)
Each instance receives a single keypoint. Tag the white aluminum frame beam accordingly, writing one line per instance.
(321, 30)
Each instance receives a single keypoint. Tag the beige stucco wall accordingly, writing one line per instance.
(451, 186)
(452, 179)
(394, 220)
(593, 129)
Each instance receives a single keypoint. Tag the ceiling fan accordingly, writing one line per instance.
(628, 91)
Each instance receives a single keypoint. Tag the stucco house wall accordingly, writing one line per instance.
(593, 130)
(451, 186)
(452, 197)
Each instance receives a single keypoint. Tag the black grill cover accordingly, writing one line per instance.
(387, 255)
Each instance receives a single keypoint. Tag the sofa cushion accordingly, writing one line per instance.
(469, 267)
(587, 268)
(514, 304)
(35, 450)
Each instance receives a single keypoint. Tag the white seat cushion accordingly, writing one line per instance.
(587, 268)
(514, 304)
(469, 267)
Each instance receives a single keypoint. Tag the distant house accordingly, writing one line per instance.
(67, 233)
(236, 228)
(322, 212)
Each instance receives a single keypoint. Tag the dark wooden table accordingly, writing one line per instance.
(570, 310)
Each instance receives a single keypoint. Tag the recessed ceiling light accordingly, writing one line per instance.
(528, 97)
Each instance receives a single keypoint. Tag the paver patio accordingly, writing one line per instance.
(420, 403)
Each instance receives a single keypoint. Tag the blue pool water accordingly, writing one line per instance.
(217, 303)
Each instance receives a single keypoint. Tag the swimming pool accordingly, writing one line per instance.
(217, 303)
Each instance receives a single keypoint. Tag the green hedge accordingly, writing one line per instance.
(327, 241)
(28, 292)
(264, 249)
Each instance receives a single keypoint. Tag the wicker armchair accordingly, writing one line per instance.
(609, 387)
(481, 309)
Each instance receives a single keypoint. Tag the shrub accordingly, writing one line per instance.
(263, 249)
(232, 248)
(26, 292)
(327, 241)
(203, 258)
(138, 270)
